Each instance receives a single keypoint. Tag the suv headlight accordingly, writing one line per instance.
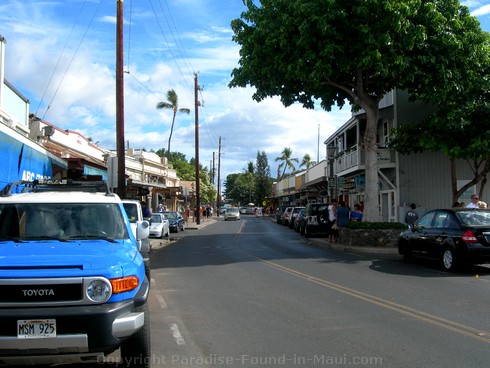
(99, 290)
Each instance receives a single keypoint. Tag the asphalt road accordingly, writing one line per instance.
(252, 293)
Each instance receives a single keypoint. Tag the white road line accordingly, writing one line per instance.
(176, 333)
(161, 301)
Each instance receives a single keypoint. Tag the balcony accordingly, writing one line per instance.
(354, 159)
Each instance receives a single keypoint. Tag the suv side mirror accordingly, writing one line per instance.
(142, 230)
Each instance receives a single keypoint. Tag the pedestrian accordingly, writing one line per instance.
(361, 206)
(474, 201)
(146, 210)
(411, 216)
(332, 221)
(356, 215)
(342, 214)
(160, 208)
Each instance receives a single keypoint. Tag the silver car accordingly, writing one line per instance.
(159, 226)
(232, 213)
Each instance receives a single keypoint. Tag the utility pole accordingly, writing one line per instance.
(213, 172)
(218, 199)
(121, 152)
(198, 194)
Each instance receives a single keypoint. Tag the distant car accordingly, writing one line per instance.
(159, 225)
(294, 213)
(176, 221)
(455, 236)
(316, 219)
(232, 213)
(247, 210)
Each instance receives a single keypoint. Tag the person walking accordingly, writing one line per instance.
(411, 216)
(332, 221)
(342, 214)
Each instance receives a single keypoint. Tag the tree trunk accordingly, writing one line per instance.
(370, 147)
(171, 131)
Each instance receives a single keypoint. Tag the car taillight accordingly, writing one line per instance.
(469, 237)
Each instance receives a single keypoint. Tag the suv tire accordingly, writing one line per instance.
(136, 351)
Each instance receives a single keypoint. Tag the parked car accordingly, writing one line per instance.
(316, 219)
(175, 220)
(294, 214)
(455, 236)
(286, 216)
(134, 210)
(159, 225)
(299, 221)
(232, 213)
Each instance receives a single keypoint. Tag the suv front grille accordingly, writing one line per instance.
(40, 293)
(46, 291)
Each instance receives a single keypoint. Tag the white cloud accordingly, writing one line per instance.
(483, 10)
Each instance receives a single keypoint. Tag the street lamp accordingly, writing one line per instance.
(331, 150)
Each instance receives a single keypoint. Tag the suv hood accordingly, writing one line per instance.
(73, 258)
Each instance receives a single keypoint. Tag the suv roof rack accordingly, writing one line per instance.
(63, 185)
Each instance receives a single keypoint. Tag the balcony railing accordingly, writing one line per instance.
(355, 159)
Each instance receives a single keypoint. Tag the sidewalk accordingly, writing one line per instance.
(322, 242)
(191, 225)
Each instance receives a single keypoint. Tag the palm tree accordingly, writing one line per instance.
(306, 161)
(172, 104)
(287, 161)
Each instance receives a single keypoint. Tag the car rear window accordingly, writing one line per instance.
(316, 209)
(475, 218)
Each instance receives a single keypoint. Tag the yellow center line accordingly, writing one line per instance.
(402, 309)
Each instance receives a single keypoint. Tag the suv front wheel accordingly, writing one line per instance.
(135, 351)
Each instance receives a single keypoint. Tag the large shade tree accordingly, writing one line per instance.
(333, 51)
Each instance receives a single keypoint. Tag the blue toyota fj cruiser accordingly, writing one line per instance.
(72, 281)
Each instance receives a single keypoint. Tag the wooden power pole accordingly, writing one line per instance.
(121, 153)
(198, 194)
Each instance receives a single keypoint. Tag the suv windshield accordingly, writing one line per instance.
(63, 221)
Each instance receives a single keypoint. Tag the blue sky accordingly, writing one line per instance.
(61, 55)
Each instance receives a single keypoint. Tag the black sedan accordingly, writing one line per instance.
(176, 221)
(456, 236)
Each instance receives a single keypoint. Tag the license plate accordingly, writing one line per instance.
(36, 328)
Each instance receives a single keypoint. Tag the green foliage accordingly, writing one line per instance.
(172, 103)
(263, 180)
(376, 225)
(187, 171)
(287, 161)
(253, 185)
(235, 189)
